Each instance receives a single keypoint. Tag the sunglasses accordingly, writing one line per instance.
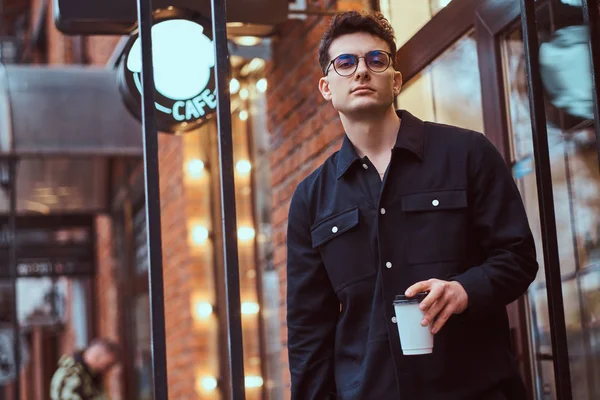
(347, 64)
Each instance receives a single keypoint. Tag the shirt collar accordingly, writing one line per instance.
(410, 137)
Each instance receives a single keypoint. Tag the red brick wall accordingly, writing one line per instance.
(183, 352)
(304, 128)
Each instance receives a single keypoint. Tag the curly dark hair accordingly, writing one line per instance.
(356, 21)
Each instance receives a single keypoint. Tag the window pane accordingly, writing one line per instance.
(565, 73)
(448, 91)
(409, 16)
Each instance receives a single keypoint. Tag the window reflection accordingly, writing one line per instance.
(448, 91)
(409, 16)
(566, 76)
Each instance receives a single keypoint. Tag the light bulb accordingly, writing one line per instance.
(244, 94)
(261, 85)
(243, 166)
(245, 233)
(247, 40)
(199, 234)
(195, 168)
(243, 115)
(234, 86)
(209, 383)
(249, 308)
(203, 310)
(253, 381)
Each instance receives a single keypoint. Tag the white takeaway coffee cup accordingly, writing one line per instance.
(414, 338)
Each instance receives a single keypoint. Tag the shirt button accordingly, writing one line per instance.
(388, 265)
(382, 211)
(394, 320)
(365, 166)
(435, 202)
(334, 229)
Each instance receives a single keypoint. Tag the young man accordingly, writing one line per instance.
(79, 377)
(405, 206)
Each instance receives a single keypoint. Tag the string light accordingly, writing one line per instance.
(250, 308)
(195, 168)
(244, 94)
(262, 85)
(246, 233)
(234, 86)
(253, 381)
(203, 310)
(243, 115)
(247, 40)
(199, 234)
(243, 167)
(209, 383)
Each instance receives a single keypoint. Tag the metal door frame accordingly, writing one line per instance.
(493, 20)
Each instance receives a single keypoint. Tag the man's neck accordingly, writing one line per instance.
(374, 135)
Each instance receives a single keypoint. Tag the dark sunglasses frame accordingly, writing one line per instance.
(332, 62)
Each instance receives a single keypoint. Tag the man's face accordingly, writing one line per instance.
(105, 362)
(364, 91)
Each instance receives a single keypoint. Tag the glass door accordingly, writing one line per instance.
(565, 71)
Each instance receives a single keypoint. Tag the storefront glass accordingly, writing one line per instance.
(408, 16)
(565, 70)
(448, 90)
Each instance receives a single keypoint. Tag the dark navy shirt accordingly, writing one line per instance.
(447, 208)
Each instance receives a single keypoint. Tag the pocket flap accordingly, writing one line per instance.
(333, 226)
(432, 201)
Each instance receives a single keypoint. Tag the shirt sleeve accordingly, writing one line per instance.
(312, 310)
(66, 385)
(500, 224)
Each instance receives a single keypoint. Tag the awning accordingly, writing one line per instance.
(63, 125)
(64, 111)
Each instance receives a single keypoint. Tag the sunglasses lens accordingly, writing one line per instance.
(378, 61)
(345, 64)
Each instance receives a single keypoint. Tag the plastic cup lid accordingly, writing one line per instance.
(416, 298)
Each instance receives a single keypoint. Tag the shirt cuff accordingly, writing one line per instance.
(479, 290)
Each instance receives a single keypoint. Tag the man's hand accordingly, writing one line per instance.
(444, 299)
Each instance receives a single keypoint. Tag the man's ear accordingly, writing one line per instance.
(324, 88)
(397, 83)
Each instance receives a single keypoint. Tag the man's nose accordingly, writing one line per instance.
(361, 70)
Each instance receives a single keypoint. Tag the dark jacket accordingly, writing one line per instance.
(73, 380)
(448, 208)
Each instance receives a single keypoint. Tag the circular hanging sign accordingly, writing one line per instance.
(184, 71)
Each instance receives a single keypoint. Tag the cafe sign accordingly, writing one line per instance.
(184, 72)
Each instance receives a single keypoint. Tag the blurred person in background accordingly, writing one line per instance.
(79, 376)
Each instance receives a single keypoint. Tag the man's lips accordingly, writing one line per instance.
(362, 89)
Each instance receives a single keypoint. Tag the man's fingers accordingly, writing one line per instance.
(434, 295)
(433, 311)
(443, 316)
(418, 287)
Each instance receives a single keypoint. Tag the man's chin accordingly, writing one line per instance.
(366, 109)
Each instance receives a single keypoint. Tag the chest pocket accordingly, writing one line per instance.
(344, 245)
(436, 224)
